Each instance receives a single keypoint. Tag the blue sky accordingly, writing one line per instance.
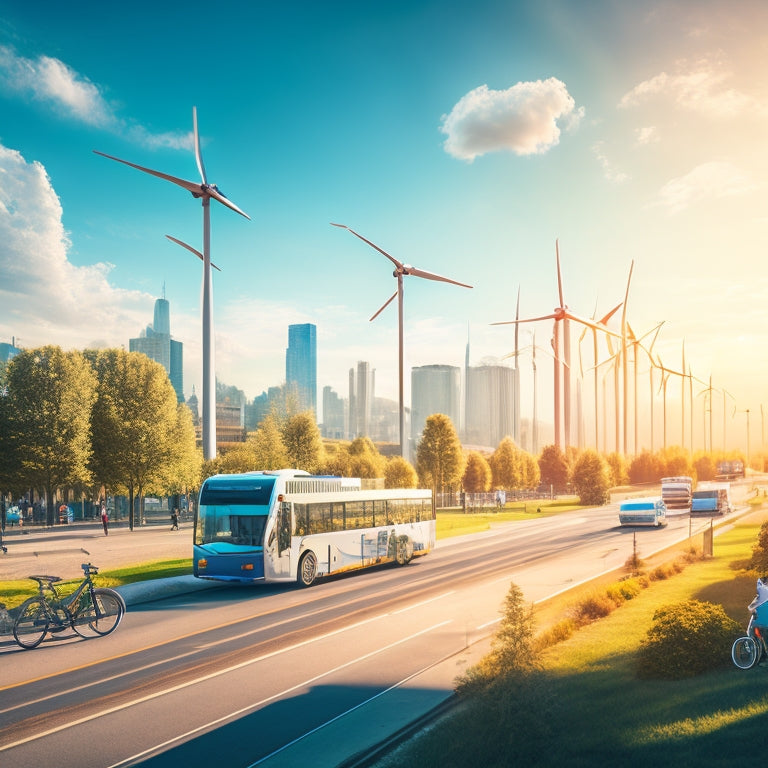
(463, 138)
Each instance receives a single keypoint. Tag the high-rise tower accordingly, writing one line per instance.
(301, 364)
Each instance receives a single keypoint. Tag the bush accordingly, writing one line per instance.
(759, 560)
(592, 607)
(686, 639)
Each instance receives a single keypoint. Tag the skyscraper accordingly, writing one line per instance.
(301, 364)
(491, 398)
(434, 389)
(156, 343)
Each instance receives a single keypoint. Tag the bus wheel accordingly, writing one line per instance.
(307, 569)
(404, 551)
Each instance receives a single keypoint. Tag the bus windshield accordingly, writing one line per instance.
(234, 513)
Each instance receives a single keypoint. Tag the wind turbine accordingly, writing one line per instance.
(203, 191)
(602, 322)
(561, 314)
(636, 342)
(400, 270)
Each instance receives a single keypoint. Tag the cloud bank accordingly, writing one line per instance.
(524, 119)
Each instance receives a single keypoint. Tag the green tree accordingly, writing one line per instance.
(267, 444)
(238, 458)
(506, 465)
(554, 468)
(49, 400)
(439, 457)
(704, 465)
(531, 472)
(365, 459)
(135, 424)
(303, 445)
(676, 461)
(619, 470)
(591, 479)
(645, 468)
(399, 473)
(477, 473)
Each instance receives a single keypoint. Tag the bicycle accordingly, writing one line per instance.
(89, 611)
(748, 650)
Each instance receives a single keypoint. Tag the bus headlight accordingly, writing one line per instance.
(202, 563)
(246, 567)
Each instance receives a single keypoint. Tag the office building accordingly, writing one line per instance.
(333, 415)
(490, 405)
(156, 343)
(301, 364)
(8, 351)
(434, 389)
(361, 393)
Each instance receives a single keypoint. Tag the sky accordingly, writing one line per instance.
(463, 138)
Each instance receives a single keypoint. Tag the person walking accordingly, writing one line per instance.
(105, 519)
(175, 520)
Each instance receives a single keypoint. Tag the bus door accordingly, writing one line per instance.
(279, 544)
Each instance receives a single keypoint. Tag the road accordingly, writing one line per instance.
(276, 675)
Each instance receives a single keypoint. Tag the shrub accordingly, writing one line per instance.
(592, 607)
(626, 589)
(557, 633)
(686, 639)
(759, 559)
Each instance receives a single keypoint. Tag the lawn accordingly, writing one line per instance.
(586, 707)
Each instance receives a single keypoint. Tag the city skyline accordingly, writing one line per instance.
(631, 134)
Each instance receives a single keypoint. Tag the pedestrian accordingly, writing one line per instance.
(175, 519)
(104, 519)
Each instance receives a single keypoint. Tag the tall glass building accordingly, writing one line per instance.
(434, 389)
(301, 364)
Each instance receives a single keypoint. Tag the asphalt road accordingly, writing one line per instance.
(281, 676)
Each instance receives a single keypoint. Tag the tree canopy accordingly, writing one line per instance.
(439, 457)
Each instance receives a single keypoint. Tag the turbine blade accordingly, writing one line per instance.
(526, 320)
(606, 318)
(591, 324)
(214, 193)
(198, 153)
(191, 250)
(191, 186)
(384, 306)
(397, 263)
(559, 275)
(432, 276)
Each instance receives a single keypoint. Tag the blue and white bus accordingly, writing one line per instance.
(288, 525)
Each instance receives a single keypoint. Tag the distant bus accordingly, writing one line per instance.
(676, 491)
(647, 511)
(729, 470)
(287, 525)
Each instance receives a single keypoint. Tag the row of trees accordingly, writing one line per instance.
(107, 421)
(86, 423)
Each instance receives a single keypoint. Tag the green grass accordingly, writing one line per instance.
(586, 707)
(459, 523)
(14, 593)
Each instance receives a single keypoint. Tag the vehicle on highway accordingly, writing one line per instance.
(288, 525)
(711, 499)
(647, 511)
(676, 491)
(89, 611)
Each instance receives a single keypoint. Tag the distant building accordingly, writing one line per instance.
(490, 405)
(334, 408)
(434, 389)
(301, 364)
(361, 393)
(8, 351)
(156, 343)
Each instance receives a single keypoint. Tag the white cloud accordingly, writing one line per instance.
(609, 171)
(649, 134)
(53, 83)
(700, 87)
(708, 181)
(45, 298)
(523, 119)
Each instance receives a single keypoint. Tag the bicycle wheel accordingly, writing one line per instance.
(103, 617)
(745, 652)
(31, 624)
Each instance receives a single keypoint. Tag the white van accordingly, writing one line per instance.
(647, 511)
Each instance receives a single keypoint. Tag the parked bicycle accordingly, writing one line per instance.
(89, 611)
(748, 650)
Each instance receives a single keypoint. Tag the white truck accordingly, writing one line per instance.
(676, 492)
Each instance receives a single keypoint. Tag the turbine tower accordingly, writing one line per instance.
(400, 270)
(204, 191)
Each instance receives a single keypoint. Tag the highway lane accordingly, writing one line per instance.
(233, 675)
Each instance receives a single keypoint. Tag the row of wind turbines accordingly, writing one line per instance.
(619, 343)
(624, 347)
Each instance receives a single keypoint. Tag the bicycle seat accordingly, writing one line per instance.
(49, 579)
